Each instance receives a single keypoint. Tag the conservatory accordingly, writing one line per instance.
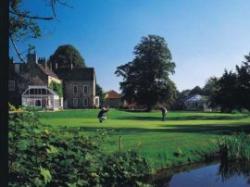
(42, 97)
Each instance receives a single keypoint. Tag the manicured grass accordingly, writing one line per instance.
(184, 137)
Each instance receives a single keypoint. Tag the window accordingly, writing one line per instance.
(85, 102)
(85, 89)
(75, 89)
(75, 102)
(12, 85)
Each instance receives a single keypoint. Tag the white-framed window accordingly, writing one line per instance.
(85, 89)
(75, 102)
(12, 85)
(75, 89)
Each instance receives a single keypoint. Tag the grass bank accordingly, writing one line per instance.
(184, 137)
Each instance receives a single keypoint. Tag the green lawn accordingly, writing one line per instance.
(183, 137)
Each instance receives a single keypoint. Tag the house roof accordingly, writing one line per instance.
(112, 95)
(78, 74)
(45, 69)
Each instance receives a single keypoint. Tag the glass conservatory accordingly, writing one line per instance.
(43, 97)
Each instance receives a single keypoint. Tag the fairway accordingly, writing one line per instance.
(184, 137)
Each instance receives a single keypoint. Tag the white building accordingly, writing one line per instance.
(42, 97)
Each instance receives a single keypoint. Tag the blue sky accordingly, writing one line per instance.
(204, 37)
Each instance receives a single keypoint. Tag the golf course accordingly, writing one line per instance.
(185, 137)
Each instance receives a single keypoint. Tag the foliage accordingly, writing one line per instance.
(210, 89)
(66, 56)
(57, 87)
(11, 107)
(146, 79)
(23, 24)
(235, 148)
(124, 169)
(196, 90)
(100, 93)
(232, 90)
(43, 157)
(181, 97)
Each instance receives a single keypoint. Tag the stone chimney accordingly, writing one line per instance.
(17, 67)
(32, 57)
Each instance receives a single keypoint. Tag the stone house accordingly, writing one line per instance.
(33, 73)
(78, 84)
(79, 88)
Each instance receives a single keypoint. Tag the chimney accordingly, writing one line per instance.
(17, 67)
(32, 57)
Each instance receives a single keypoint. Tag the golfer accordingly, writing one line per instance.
(102, 114)
(163, 113)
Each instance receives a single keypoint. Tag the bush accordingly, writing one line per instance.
(44, 157)
(124, 169)
(235, 148)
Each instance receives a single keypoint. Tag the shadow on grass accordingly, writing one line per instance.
(193, 117)
(199, 128)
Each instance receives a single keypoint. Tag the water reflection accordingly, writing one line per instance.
(229, 170)
(210, 175)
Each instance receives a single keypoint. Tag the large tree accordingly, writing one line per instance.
(146, 79)
(24, 24)
(64, 57)
(233, 88)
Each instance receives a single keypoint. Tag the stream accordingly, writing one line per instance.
(205, 175)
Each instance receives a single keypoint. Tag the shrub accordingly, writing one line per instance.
(44, 157)
(235, 148)
(124, 169)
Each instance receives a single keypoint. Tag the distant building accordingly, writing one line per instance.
(113, 99)
(197, 102)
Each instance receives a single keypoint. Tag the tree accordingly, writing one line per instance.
(66, 56)
(210, 89)
(23, 24)
(196, 90)
(181, 97)
(100, 93)
(243, 77)
(226, 94)
(233, 88)
(146, 79)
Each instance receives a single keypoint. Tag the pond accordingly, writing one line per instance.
(209, 175)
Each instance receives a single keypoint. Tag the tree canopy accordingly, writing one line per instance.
(65, 56)
(146, 78)
(232, 90)
(23, 24)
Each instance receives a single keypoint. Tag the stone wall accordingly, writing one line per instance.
(78, 99)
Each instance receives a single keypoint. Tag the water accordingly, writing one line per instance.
(212, 175)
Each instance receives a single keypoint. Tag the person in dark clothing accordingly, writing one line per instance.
(163, 113)
(102, 114)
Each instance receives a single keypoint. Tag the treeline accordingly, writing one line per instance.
(229, 92)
